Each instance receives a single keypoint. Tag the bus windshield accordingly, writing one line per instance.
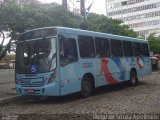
(36, 56)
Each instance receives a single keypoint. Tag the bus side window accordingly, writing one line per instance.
(137, 49)
(102, 47)
(116, 48)
(145, 49)
(68, 51)
(86, 46)
(127, 48)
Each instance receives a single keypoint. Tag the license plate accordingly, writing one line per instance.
(30, 91)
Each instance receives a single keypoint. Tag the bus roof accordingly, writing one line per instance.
(66, 30)
(97, 34)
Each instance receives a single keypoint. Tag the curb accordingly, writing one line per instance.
(11, 99)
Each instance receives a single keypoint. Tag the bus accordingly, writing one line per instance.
(56, 61)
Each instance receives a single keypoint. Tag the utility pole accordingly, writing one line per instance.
(83, 10)
(64, 3)
(84, 24)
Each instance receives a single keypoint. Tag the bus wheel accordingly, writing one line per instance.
(133, 78)
(86, 87)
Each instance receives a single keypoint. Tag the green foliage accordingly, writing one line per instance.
(154, 43)
(3, 50)
(18, 16)
(101, 23)
(8, 58)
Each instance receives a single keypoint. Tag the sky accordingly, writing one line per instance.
(97, 7)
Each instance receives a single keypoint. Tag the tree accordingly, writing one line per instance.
(18, 16)
(101, 23)
(154, 43)
(8, 58)
(21, 15)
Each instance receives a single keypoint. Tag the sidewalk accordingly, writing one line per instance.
(7, 85)
(7, 90)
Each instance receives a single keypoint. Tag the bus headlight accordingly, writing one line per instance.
(52, 77)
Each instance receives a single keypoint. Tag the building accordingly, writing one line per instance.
(143, 16)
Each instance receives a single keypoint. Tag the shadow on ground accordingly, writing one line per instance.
(76, 96)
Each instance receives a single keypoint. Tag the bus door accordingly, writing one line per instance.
(68, 64)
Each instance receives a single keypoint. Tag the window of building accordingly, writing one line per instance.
(102, 47)
(117, 5)
(116, 48)
(86, 46)
(134, 9)
(124, 3)
(127, 48)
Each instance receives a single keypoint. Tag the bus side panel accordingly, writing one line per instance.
(118, 68)
(102, 68)
(72, 74)
(70, 79)
(143, 66)
(129, 63)
(112, 71)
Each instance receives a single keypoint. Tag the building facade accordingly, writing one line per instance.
(143, 16)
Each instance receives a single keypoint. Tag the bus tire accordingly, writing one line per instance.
(133, 78)
(86, 86)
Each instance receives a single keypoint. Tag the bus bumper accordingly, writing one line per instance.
(52, 89)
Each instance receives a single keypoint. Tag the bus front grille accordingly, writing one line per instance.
(32, 84)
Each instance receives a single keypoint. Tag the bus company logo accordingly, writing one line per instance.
(140, 62)
(108, 75)
(87, 65)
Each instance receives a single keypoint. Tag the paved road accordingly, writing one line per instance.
(141, 99)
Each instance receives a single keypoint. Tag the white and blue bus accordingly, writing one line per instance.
(56, 61)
